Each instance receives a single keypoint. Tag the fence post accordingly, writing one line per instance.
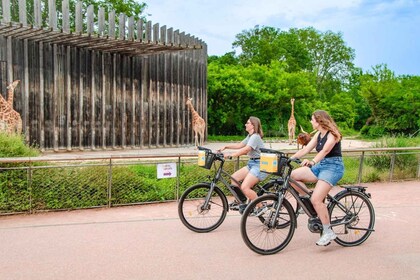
(362, 157)
(110, 183)
(391, 172)
(30, 187)
(178, 171)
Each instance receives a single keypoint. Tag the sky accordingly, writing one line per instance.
(380, 32)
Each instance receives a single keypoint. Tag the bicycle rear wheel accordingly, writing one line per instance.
(262, 230)
(355, 222)
(197, 217)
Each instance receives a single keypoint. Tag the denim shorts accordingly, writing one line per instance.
(330, 170)
(254, 169)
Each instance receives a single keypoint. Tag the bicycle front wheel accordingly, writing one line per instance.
(352, 218)
(264, 231)
(196, 215)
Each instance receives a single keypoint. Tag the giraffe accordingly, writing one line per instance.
(11, 92)
(198, 124)
(10, 120)
(291, 125)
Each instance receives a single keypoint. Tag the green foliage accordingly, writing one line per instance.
(264, 91)
(14, 146)
(394, 102)
(403, 160)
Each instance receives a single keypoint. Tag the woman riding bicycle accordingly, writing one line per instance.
(250, 175)
(325, 169)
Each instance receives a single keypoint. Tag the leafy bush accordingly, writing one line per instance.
(14, 146)
(382, 160)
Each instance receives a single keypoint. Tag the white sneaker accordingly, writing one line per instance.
(326, 238)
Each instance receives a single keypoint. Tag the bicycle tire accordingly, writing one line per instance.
(194, 217)
(259, 235)
(362, 218)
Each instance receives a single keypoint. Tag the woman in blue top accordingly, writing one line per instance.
(250, 175)
(325, 169)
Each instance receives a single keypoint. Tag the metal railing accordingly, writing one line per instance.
(29, 185)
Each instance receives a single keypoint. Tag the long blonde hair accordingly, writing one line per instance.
(257, 125)
(326, 122)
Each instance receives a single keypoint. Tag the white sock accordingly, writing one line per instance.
(326, 228)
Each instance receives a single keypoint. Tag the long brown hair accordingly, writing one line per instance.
(257, 125)
(326, 122)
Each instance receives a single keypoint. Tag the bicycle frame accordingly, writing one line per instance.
(219, 178)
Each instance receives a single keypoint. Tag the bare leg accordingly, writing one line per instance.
(321, 190)
(249, 182)
(301, 175)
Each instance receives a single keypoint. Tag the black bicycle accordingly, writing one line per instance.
(203, 207)
(269, 222)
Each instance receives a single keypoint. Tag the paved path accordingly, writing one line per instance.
(149, 242)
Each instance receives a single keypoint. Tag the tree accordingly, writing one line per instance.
(394, 101)
(330, 58)
(262, 45)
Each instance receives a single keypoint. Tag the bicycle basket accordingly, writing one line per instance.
(205, 158)
(273, 162)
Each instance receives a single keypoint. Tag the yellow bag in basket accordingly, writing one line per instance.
(268, 163)
(201, 158)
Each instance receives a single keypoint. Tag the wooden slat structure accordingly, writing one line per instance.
(107, 85)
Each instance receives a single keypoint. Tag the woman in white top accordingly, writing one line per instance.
(250, 174)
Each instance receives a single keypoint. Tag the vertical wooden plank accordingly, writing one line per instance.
(156, 38)
(41, 97)
(66, 16)
(133, 103)
(92, 99)
(101, 21)
(6, 11)
(114, 99)
(177, 90)
(52, 14)
(164, 90)
(81, 105)
(130, 35)
(148, 33)
(90, 19)
(140, 30)
(143, 90)
(111, 18)
(150, 100)
(9, 59)
(123, 102)
(79, 19)
(121, 24)
(22, 12)
(37, 14)
(170, 37)
(54, 99)
(103, 105)
(68, 97)
(25, 91)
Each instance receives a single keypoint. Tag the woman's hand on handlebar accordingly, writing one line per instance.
(227, 155)
(306, 162)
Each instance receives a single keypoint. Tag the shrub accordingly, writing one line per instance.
(14, 146)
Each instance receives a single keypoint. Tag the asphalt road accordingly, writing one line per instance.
(150, 242)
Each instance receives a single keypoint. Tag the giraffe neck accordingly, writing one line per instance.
(194, 112)
(10, 96)
(292, 114)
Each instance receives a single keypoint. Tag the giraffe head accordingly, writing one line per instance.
(13, 85)
(292, 100)
(189, 101)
